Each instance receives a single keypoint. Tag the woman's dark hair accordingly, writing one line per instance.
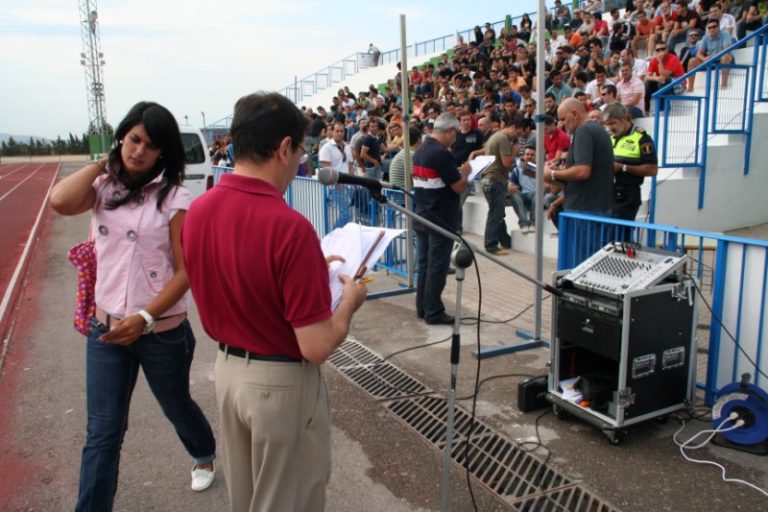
(163, 131)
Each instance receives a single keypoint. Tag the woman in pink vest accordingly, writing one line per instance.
(137, 204)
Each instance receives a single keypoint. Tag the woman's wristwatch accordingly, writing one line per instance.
(149, 319)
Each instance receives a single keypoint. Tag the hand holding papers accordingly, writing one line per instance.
(360, 246)
(478, 165)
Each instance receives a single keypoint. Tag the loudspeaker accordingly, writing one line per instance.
(531, 393)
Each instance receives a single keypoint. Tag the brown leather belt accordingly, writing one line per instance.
(161, 324)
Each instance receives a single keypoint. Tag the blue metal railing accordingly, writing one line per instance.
(319, 204)
(683, 123)
(732, 271)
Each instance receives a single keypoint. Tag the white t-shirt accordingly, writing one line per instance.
(339, 161)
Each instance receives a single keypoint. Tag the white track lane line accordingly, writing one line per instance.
(24, 255)
(20, 183)
(17, 170)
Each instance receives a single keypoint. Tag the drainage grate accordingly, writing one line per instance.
(515, 476)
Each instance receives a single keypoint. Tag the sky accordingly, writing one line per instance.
(196, 56)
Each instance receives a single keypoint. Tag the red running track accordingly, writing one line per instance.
(23, 190)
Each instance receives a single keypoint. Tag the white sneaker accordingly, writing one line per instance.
(202, 478)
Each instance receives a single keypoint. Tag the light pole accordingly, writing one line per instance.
(186, 120)
(203, 114)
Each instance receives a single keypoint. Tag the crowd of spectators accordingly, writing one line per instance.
(597, 58)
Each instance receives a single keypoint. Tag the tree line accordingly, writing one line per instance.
(73, 145)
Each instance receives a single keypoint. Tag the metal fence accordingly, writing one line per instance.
(731, 274)
(323, 205)
(683, 123)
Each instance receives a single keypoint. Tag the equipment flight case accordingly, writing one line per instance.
(623, 347)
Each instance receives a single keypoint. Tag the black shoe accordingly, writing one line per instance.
(442, 319)
(420, 315)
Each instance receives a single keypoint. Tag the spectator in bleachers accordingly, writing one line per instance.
(485, 127)
(622, 35)
(559, 89)
(562, 15)
(613, 64)
(522, 189)
(573, 38)
(608, 96)
(370, 152)
(337, 155)
(397, 167)
(375, 52)
(662, 24)
(663, 69)
(643, 31)
(747, 14)
(526, 28)
(594, 87)
(727, 21)
(580, 81)
(631, 91)
(600, 30)
(641, 6)
(689, 50)
(639, 66)
(489, 34)
(576, 20)
(550, 105)
(593, 7)
(685, 20)
(528, 108)
(556, 141)
(713, 42)
(588, 22)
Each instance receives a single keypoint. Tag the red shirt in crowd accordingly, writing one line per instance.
(671, 63)
(255, 267)
(557, 141)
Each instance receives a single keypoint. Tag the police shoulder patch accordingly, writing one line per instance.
(646, 148)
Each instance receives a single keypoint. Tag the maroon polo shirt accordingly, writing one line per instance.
(255, 267)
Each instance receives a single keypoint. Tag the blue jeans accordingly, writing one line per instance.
(111, 372)
(342, 199)
(433, 256)
(374, 173)
(495, 226)
(522, 202)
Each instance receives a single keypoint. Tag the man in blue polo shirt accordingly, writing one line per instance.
(437, 184)
(713, 42)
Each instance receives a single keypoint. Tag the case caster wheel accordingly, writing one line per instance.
(559, 412)
(615, 437)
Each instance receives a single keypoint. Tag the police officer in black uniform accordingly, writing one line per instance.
(634, 155)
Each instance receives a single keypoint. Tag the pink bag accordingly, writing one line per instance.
(83, 257)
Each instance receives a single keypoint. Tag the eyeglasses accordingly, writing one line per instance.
(712, 26)
(661, 48)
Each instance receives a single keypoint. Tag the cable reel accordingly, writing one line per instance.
(750, 403)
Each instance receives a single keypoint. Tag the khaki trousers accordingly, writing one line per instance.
(275, 434)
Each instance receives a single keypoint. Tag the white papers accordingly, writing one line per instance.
(478, 165)
(570, 392)
(360, 246)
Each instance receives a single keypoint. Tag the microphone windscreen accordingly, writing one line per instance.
(327, 176)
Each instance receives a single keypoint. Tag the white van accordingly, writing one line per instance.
(198, 174)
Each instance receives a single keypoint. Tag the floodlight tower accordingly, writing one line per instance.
(92, 60)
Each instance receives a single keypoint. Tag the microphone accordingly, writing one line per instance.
(328, 176)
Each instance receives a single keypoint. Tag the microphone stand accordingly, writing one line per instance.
(462, 259)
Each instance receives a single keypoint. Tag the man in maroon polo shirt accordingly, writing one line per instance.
(261, 285)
